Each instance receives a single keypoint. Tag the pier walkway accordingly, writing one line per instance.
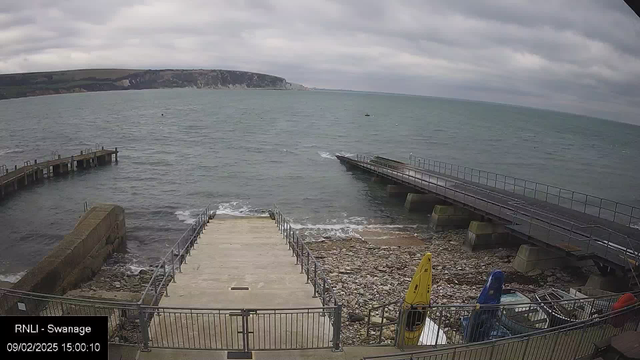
(582, 226)
(19, 178)
(243, 268)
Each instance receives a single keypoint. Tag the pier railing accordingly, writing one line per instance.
(567, 342)
(172, 262)
(589, 204)
(608, 245)
(469, 323)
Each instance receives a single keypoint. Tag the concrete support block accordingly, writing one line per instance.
(610, 283)
(447, 217)
(532, 257)
(485, 235)
(421, 202)
(397, 190)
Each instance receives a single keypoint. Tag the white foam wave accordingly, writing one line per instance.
(185, 216)
(239, 208)
(12, 278)
(9, 151)
(134, 269)
(346, 154)
(637, 226)
(326, 155)
(345, 230)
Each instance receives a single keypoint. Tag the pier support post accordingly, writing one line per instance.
(447, 217)
(532, 257)
(421, 202)
(116, 155)
(486, 235)
(397, 190)
(72, 164)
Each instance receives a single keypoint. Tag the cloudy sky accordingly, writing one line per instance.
(580, 56)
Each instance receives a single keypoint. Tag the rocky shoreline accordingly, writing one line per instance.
(366, 274)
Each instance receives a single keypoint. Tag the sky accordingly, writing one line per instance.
(579, 56)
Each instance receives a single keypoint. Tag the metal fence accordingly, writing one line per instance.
(589, 204)
(308, 264)
(191, 328)
(446, 325)
(166, 269)
(566, 342)
(575, 238)
(124, 318)
(243, 329)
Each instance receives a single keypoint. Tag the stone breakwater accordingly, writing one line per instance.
(365, 274)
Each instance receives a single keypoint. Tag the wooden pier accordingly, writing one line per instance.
(30, 173)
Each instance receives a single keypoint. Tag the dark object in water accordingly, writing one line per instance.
(483, 321)
(272, 215)
(367, 114)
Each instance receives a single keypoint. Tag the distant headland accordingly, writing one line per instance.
(86, 80)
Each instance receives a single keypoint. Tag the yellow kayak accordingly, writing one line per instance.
(417, 301)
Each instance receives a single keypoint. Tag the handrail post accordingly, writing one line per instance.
(164, 272)
(144, 329)
(307, 266)
(337, 328)
(315, 279)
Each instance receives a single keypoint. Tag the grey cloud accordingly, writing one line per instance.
(573, 55)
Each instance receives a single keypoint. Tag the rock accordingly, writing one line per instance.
(117, 284)
(551, 279)
(390, 318)
(355, 317)
(534, 272)
(375, 320)
(388, 334)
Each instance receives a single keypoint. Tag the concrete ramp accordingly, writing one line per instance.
(243, 287)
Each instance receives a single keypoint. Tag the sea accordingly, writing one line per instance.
(243, 151)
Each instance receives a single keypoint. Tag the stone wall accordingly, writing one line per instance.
(77, 258)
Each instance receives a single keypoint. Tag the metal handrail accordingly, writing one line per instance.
(522, 337)
(490, 178)
(175, 257)
(302, 253)
(503, 211)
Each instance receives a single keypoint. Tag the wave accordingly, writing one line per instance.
(186, 215)
(345, 154)
(9, 151)
(344, 231)
(239, 208)
(326, 155)
(637, 226)
(12, 278)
